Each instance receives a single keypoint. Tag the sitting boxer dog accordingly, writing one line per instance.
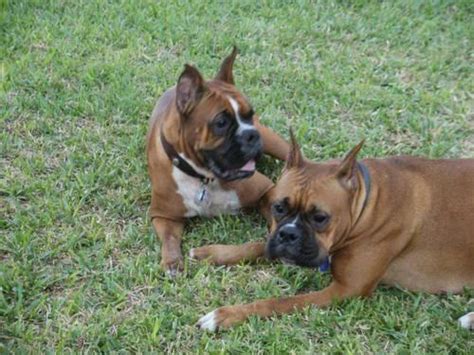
(202, 144)
(400, 221)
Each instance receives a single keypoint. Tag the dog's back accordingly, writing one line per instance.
(440, 253)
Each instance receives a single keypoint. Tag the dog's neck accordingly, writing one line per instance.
(361, 199)
(180, 162)
(359, 205)
(367, 184)
(179, 153)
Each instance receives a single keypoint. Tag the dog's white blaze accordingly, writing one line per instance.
(221, 201)
(467, 321)
(242, 125)
(292, 223)
(208, 322)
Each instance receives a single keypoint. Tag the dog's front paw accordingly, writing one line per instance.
(467, 321)
(223, 317)
(172, 267)
(219, 254)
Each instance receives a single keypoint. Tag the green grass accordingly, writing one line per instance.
(79, 262)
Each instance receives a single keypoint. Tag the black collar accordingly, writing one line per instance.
(179, 162)
(367, 182)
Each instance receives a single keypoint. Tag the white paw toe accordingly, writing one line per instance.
(467, 321)
(208, 322)
(192, 253)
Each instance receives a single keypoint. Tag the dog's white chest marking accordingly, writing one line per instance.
(220, 200)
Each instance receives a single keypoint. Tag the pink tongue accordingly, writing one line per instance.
(250, 166)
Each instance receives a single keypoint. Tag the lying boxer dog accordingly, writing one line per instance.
(202, 144)
(400, 221)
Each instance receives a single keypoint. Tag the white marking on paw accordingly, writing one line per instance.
(208, 322)
(192, 253)
(467, 321)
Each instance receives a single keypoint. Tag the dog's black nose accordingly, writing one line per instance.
(250, 136)
(289, 234)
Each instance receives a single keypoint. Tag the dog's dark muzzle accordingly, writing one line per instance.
(293, 244)
(250, 143)
(235, 159)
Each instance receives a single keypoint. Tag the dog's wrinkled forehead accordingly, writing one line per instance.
(223, 97)
(305, 187)
(233, 99)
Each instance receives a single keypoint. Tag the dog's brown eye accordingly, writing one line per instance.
(278, 210)
(221, 124)
(320, 219)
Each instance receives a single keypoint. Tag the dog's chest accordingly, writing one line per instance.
(219, 200)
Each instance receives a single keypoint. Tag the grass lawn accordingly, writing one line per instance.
(79, 261)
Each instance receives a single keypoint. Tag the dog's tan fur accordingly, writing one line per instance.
(416, 231)
(168, 210)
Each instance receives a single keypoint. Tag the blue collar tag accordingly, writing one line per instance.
(326, 265)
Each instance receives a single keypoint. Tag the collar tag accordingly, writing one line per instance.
(202, 197)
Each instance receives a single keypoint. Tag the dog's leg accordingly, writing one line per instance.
(170, 233)
(349, 281)
(219, 254)
(273, 144)
(227, 316)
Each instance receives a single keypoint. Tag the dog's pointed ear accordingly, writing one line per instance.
(346, 172)
(225, 72)
(189, 89)
(295, 158)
